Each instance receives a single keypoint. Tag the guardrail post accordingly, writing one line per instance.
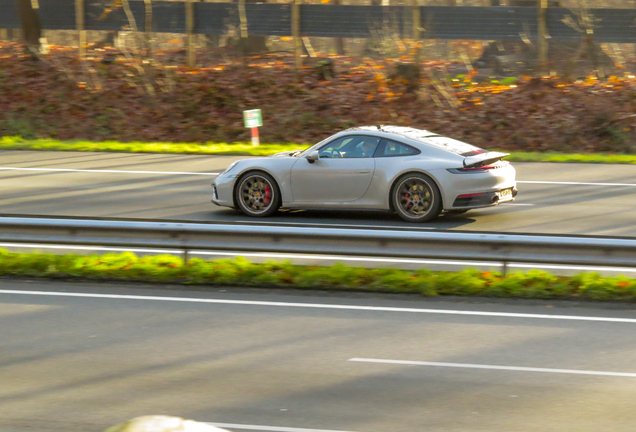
(298, 43)
(542, 32)
(80, 22)
(189, 8)
(186, 256)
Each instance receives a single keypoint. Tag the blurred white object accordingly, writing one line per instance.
(158, 423)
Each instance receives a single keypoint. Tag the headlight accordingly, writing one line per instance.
(232, 165)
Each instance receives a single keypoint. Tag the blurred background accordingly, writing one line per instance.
(514, 75)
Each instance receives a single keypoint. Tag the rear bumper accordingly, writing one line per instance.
(483, 199)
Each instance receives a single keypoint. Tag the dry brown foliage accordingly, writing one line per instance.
(65, 98)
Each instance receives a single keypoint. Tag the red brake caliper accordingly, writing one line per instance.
(409, 205)
(268, 195)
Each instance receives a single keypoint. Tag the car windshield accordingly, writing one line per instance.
(308, 149)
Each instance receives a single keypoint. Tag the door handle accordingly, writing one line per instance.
(364, 171)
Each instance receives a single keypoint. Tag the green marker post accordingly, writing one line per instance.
(253, 120)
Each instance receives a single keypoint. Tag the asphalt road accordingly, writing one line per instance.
(596, 199)
(309, 362)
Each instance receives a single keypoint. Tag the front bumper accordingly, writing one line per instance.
(215, 195)
(222, 191)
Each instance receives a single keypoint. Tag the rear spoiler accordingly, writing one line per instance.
(483, 159)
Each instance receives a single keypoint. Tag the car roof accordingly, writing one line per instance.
(406, 132)
(419, 138)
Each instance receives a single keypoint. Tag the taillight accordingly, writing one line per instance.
(478, 169)
(473, 195)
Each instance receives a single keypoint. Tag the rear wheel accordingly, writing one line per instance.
(257, 195)
(416, 198)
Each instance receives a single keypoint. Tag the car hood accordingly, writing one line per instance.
(285, 153)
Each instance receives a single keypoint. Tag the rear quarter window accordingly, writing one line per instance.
(390, 148)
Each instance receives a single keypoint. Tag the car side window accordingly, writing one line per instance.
(389, 148)
(356, 146)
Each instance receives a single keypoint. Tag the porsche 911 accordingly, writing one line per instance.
(415, 173)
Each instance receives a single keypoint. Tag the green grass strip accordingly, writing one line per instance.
(600, 158)
(170, 269)
(238, 149)
(246, 149)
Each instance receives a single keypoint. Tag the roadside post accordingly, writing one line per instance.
(253, 120)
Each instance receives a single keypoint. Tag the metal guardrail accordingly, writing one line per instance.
(495, 247)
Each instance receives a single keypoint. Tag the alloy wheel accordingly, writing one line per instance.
(415, 197)
(256, 194)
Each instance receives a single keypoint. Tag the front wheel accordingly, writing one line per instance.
(416, 198)
(257, 195)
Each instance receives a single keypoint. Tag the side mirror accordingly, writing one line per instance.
(312, 157)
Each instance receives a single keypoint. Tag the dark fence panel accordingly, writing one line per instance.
(262, 19)
(479, 23)
(57, 14)
(354, 21)
(167, 17)
(99, 19)
(438, 22)
(9, 15)
(557, 29)
(214, 18)
(268, 19)
(609, 25)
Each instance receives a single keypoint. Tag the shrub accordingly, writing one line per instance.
(241, 272)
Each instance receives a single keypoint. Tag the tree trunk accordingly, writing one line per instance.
(339, 42)
(31, 27)
(253, 44)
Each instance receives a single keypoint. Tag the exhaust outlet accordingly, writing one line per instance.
(494, 199)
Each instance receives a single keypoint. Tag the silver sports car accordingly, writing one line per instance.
(416, 173)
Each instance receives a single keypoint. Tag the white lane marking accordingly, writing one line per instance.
(572, 267)
(346, 258)
(268, 428)
(92, 248)
(329, 225)
(577, 183)
(493, 367)
(411, 261)
(325, 257)
(516, 204)
(320, 306)
(108, 171)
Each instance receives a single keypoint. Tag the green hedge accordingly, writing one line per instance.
(240, 272)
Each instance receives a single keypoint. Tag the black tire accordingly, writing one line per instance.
(416, 198)
(257, 195)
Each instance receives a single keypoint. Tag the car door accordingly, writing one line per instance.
(341, 174)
